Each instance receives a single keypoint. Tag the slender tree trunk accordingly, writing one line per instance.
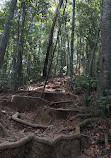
(50, 64)
(14, 71)
(21, 45)
(51, 38)
(15, 54)
(76, 71)
(79, 59)
(57, 61)
(6, 32)
(53, 51)
(105, 66)
(68, 50)
(61, 56)
(28, 66)
(87, 58)
(72, 42)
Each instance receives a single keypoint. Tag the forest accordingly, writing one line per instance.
(55, 78)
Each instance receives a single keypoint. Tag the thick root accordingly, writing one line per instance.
(62, 110)
(23, 141)
(60, 102)
(84, 123)
(16, 144)
(15, 118)
(81, 115)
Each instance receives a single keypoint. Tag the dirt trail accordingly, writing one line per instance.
(59, 123)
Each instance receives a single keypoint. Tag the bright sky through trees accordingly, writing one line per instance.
(2, 3)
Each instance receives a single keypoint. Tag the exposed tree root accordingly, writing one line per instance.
(16, 144)
(64, 110)
(83, 123)
(81, 115)
(50, 142)
(15, 118)
(3, 129)
(60, 102)
(68, 129)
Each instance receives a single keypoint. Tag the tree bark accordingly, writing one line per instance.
(72, 42)
(105, 66)
(51, 38)
(68, 48)
(15, 54)
(6, 32)
(21, 45)
(28, 66)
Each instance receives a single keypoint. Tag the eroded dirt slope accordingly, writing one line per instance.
(58, 119)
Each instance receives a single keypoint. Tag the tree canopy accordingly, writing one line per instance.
(50, 38)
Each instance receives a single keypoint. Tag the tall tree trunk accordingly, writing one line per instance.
(68, 50)
(53, 51)
(6, 32)
(21, 45)
(76, 71)
(50, 64)
(51, 38)
(57, 61)
(72, 42)
(105, 66)
(28, 66)
(61, 56)
(15, 54)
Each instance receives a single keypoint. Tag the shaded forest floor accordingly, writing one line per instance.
(58, 113)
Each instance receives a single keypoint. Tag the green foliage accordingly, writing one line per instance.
(103, 103)
(83, 82)
(39, 18)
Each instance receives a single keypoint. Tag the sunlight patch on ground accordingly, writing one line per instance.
(53, 85)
